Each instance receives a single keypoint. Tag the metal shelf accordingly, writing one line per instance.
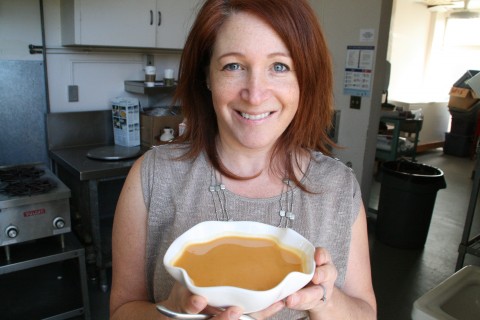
(134, 86)
(410, 126)
(37, 263)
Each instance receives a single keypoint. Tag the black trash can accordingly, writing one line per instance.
(407, 197)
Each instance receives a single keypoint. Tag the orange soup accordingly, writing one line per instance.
(253, 263)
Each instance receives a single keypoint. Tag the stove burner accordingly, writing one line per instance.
(28, 187)
(20, 174)
(24, 181)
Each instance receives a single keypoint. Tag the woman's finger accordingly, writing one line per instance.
(268, 312)
(320, 289)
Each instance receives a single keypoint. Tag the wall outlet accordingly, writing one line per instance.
(72, 93)
(355, 102)
(149, 60)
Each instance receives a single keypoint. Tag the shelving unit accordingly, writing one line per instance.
(409, 126)
(45, 280)
(469, 244)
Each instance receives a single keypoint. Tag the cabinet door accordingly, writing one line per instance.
(174, 19)
(123, 23)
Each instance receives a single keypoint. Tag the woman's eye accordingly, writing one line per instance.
(280, 67)
(232, 67)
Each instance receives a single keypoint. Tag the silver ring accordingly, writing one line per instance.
(324, 298)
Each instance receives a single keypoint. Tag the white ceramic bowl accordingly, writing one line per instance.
(249, 300)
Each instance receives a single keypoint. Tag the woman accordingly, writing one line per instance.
(256, 88)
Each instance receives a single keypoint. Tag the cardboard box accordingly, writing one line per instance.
(462, 97)
(151, 127)
(126, 123)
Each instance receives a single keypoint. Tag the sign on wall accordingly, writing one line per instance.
(359, 70)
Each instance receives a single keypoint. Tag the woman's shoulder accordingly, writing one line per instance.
(165, 153)
(171, 157)
(328, 164)
(329, 171)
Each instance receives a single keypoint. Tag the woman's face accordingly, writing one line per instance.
(254, 87)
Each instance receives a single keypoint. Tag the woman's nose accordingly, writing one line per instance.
(257, 88)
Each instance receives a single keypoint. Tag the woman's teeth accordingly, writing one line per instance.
(255, 117)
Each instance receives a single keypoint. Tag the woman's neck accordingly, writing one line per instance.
(245, 162)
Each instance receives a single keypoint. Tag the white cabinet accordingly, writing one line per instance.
(174, 19)
(127, 23)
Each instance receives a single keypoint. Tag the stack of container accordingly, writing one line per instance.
(464, 108)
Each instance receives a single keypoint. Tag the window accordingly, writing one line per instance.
(462, 32)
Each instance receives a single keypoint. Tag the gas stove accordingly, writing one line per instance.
(34, 204)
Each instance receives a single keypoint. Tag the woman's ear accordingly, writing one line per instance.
(207, 78)
(208, 82)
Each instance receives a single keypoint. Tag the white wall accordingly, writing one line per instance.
(409, 37)
(342, 21)
(424, 63)
(19, 27)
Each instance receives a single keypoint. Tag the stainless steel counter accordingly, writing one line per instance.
(96, 186)
(75, 160)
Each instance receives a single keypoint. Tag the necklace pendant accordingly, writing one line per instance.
(290, 215)
(282, 213)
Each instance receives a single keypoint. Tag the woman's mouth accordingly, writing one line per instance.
(255, 116)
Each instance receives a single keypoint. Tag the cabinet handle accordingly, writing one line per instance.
(151, 17)
(159, 18)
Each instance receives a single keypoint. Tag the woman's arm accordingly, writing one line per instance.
(128, 297)
(356, 300)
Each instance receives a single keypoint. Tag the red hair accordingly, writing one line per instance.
(296, 24)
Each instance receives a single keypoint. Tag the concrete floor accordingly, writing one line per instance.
(401, 276)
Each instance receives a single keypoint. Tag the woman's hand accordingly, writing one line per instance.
(317, 294)
(183, 301)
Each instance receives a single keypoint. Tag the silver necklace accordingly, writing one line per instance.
(217, 190)
(285, 213)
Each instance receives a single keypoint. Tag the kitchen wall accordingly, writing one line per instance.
(22, 112)
(412, 34)
(343, 21)
(22, 87)
(426, 62)
(99, 74)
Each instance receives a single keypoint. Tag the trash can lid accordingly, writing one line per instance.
(415, 172)
(412, 168)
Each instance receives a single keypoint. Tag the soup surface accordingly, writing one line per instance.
(245, 262)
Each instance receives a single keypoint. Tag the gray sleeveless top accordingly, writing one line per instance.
(177, 195)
